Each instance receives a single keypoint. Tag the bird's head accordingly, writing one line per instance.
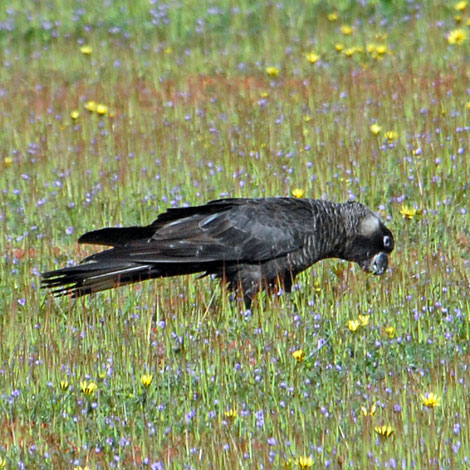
(371, 245)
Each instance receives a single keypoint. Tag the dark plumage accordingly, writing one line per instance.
(251, 244)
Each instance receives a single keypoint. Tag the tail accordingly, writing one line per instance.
(91, 277)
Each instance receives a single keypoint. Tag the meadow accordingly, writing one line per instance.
(112, 112)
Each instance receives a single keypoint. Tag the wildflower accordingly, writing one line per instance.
(354, 325)
(431, 400)
(90, 106)
(332, 16)
(317, 286)
(467, 105)
(407, 212)
(298, 193)
(391, 136)
(64, 385)
(7, 162)
(3, 462)
(88, 388)
(86, 50)
(339, 47)
(364, 319)
(312, 57)
(304, 462)
(288, 464)
(350, 51)
(101, 109)
(75, 114)
(231, 414)
(457, 36)
(375, 128)
(272, 71)
(381, 49)
(369, 412)
(146, 380)
(299, 355)
(346, 29)
(460, 6)
(390, 331)
(384, 431)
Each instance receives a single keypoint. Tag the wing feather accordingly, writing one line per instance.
(253, 231)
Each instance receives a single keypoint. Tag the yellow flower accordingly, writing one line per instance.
(75, 114)
(146, 380)
(88, 388)
(86, 50)
(430, 400)
(384, 431)
(316, 286)
(231, 414)
(364, 319)
(381, 49)
(369, 412)
(354, 325)
(288, 464)
(375, 128)
(272, 71)
(101, 109)
(339, 47)
(350, 51)
(299, 355)
(332, 16)
(460, 6)
(467, 105)
(458, 19)
(86, 467)
(90, 106)
(64, 385)
(304, 462)
(457, 36)
(7, 162)
(346, 29)
(3, 462)
(312, 57)
(407, 212)
(391, 136)
(390, 331)
(298, 193)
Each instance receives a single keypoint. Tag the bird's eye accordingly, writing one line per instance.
(387, 241)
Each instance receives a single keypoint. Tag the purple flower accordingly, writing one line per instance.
(189, 416)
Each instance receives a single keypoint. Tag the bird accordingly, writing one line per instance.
(251, 244)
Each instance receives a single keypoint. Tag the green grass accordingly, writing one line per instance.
(196, 117)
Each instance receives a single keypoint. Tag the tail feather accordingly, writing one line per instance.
(117, 236)
(87, 278)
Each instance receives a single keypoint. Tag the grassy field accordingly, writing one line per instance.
(109, 114)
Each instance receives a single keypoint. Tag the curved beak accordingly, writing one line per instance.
(379, 263)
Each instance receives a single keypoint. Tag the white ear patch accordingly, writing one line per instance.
(369, 225)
